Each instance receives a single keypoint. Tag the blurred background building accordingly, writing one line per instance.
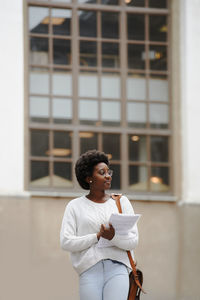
(120, 76)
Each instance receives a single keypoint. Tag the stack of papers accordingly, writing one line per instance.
(122, 224)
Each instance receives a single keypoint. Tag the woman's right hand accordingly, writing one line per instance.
(106, 232)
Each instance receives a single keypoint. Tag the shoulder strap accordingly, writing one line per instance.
(117, 197)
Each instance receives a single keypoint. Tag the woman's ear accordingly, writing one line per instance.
(88, 179)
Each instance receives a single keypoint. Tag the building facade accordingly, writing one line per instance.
(117, 76)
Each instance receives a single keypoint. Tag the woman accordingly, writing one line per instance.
(103, 272)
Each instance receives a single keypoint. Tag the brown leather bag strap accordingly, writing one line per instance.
(117, 197)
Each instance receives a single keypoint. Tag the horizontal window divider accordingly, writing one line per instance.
(115, 162)
(50, 4)
(137, 163)
(158, 102)
(52, 66)
(50, 158)
(107, 129)
(48, 126)
(39, 35)
(51, 96)
(145, 42)
(101, 7)
(160, 164)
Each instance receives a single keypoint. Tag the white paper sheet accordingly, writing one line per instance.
(122, 224)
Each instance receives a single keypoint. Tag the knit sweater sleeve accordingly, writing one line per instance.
(69, 240)
(129, 241)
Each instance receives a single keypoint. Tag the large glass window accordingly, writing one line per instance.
(99, 79)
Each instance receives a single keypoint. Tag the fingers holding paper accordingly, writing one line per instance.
(107, 232)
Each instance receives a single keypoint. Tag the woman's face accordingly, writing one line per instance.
(101, 177)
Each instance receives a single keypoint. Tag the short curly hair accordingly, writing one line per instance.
(85, 165)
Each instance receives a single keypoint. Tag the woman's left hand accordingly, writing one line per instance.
(107, 232)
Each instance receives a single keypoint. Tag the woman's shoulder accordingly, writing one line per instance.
(76, 202)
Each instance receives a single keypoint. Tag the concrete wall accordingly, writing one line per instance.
(11, 97)
(190, 99)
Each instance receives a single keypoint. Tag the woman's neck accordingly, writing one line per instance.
(98, 196)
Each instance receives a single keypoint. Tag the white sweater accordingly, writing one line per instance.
(80, 225)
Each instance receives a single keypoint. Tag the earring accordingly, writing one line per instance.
(90, 181)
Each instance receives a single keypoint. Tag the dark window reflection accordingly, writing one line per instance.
(62, 144)
(116, 178)
(61, 52)
(159, 181)
(159, 149)
(88, 54)
(110, 2)
(158, 3)
(39, 142)
(136, 56)
(40, 173)
(88, 141)
(39, 51)
(111, 145)
(136, 3)
(110, 55)
(138, 178)
(135, 27)
(87, 23)
(110, 25)
(158, 58)
(62, 175)
(158, 28)
(137, 148)
(61, 21)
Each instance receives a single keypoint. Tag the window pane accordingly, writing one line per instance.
(159, 149)
(158, 58)
(62, 83)
(158, 3)
(88, 54)
(62, 110)
(39, 142)
(158, 88)
(116, 178)
(159, 181)
(38, 19)
(61, 21)
(61, 52)
(111, 145)
(136, 87)
(39, 51)
(88, 141)
(39, 81)
(87, 1)
(137, 3)
(88, 112)
(137, 148)
(136, 59)
(87, 23)
(135, 27)
(39, 109)
(158, 28)
(111, 113)
(110, 55)
(63, 1)
(136, 114)
(110, 86)
(110, 2)
(62, 144)
(110, 25)
(40, 174)
(62, 175)
(88, 84)
(158, 115)
(138, 178)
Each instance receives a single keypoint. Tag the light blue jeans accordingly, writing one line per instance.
(106, 280)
